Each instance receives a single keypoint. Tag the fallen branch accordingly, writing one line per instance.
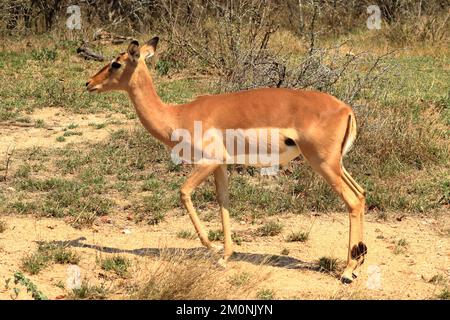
(17, 124)
(87, 53)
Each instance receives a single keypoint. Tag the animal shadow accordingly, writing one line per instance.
(281, 261)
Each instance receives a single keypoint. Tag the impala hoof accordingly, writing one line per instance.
(348, 277)
(346, 280)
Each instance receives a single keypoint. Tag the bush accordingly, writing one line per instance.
(270, 229)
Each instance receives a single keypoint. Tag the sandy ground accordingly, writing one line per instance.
(385, 274)
(16, 135)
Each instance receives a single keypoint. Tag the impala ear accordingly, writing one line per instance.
(149, 48)
(134, 51)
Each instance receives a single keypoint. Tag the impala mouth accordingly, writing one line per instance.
(92, 89)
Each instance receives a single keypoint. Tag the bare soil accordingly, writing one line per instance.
(17, 135)
(404, 275)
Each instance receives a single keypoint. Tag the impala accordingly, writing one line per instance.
(312, 124)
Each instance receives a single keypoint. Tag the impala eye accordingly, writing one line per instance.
(115, 65)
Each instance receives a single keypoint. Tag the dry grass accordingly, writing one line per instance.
(181, 275)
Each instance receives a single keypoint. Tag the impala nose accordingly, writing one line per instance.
(89, 86)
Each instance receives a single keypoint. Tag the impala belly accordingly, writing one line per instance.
(259, 147)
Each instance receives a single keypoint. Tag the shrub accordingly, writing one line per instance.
(270, 229)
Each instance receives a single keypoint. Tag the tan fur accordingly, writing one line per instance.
(315, 121)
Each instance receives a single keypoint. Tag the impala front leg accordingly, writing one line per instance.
(200, 173)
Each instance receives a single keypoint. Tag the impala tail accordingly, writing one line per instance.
(350, 134)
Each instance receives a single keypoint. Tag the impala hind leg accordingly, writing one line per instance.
(221, 180)
(200, 173)
(353, 196)
(360, 193)
(355, 201)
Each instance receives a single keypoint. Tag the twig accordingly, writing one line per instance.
(17, 124)
(8, 162)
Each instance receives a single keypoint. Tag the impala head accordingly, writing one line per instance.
(117, 74)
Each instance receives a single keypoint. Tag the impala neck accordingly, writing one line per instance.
(155, 116)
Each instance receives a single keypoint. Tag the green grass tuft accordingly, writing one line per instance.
(298, 236)
(328, 264)
(265, 294)
(89, 292)
(186, 234)
(46, 254)
(444, 294)
(270, 229)
(117, 264)
(215, 235)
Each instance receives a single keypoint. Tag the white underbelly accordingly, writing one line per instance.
(258, 147)
(256, 160)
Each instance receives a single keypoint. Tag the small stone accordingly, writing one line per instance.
(11, 189)
(105, 219)
(126, 231)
